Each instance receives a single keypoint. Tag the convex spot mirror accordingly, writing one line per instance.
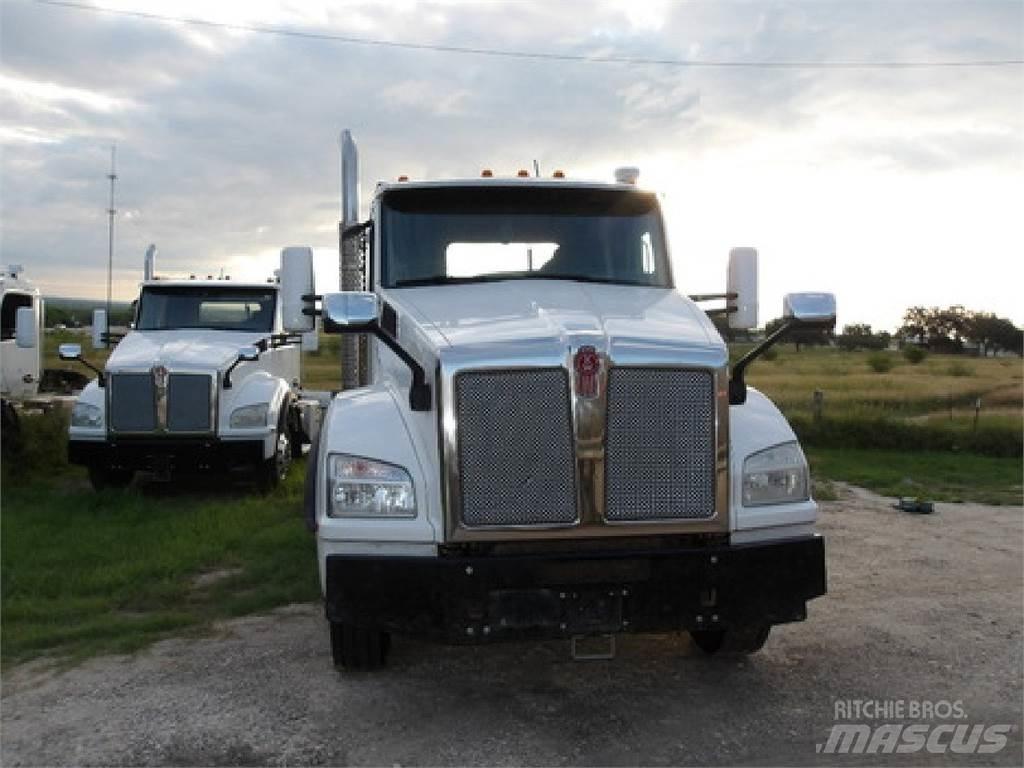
(69, 351)
(350, 312)
(810, 308)
(25, 328)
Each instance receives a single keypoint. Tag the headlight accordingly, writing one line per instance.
(249, 416)
(85, 415)
(365, 488)
(775, 476)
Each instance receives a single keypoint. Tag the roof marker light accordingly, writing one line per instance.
(403, 177)
(627, 175)
(558, 175)
(523, 173)
(487, 173)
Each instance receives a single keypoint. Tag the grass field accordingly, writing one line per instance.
(86, 573)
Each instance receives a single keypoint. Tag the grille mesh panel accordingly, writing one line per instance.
(132, 405)
(660, 449)
(188, 402)
(516, 457)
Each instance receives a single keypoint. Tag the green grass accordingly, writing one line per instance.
(927, 406)
(86, 573)
(928, 475)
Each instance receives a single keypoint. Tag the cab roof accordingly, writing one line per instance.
(508, 181)
(184, 282)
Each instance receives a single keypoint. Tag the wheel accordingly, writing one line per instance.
(296, 444)
(102, 477)
(358, 647)
(735, 641)
(295, 429)
(275, 469)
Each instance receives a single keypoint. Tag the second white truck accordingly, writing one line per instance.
(207, 379)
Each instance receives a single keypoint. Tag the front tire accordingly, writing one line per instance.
(275, 469)
(102, 477)
(737, 641)
(358, 647)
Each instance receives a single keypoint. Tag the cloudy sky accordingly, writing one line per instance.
(888, 186)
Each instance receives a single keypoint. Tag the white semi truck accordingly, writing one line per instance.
(207, 379)
(549, 441)
(23, 380)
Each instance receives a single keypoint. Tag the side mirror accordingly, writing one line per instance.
(99, 328)
(25, 328)
(297, 289)
(350, 312)
(741, 289)
(357, 312)
(249, 354)
(810, 308)
(798, 310)
(74, 352)
(69, 351)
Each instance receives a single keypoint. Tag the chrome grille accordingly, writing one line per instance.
(188, 402)
(516, 457)
(660, 452)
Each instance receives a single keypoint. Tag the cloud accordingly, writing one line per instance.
(227, 140)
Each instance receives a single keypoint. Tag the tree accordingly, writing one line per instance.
(860, 336)
(946, 330)
(937, 329)
(994, 333)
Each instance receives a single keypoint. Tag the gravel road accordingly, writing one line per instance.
(919, 608)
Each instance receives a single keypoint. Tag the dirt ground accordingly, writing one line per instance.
(919, 608)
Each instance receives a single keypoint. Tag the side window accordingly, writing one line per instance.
(9, 313)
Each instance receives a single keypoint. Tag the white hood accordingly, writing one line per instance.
(193, 349)
(557, 313)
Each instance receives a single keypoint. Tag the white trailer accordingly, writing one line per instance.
(208, 378)
(549, 441)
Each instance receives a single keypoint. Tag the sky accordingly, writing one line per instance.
(890, 187)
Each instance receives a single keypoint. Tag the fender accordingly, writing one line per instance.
(754, 426)
(258, 387)
(370, 422)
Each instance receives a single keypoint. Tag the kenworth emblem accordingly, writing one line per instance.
(588, 371)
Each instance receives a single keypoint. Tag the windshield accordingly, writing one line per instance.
(212, 307)
(467, 234)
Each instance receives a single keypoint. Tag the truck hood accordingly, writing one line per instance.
(557, 313)
(194, 349)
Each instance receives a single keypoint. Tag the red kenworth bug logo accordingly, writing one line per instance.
(588, 370)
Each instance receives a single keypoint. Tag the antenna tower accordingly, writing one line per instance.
(110, 231)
